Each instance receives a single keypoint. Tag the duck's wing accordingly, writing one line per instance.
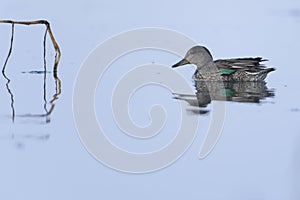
(229, 66)
(239, 63)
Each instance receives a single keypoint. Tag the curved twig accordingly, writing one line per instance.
(55, 66)
(4, 75)
(48, 29)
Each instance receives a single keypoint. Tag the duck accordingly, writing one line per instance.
(233, 70)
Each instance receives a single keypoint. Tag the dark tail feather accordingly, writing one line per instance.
(270, 69)
(264, 73)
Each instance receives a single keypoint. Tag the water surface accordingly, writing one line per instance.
(256, 157)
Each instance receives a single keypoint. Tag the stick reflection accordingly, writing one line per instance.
(3, 73)
(56, 79)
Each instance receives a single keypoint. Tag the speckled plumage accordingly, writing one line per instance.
(236, 69)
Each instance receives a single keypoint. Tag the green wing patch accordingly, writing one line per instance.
(226, 71)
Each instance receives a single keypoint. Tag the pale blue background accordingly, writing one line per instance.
(257, 156)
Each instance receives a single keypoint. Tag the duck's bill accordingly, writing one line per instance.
(180, 63)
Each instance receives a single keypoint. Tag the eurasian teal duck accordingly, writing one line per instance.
(236, 69)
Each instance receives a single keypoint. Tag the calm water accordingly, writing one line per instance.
(256, 157)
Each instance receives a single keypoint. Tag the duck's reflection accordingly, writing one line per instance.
(243, 92)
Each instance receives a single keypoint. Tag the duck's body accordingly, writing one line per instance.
(237, 69)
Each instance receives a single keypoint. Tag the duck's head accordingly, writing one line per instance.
(197, 55)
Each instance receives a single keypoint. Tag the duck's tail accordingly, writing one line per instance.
(264, 72)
